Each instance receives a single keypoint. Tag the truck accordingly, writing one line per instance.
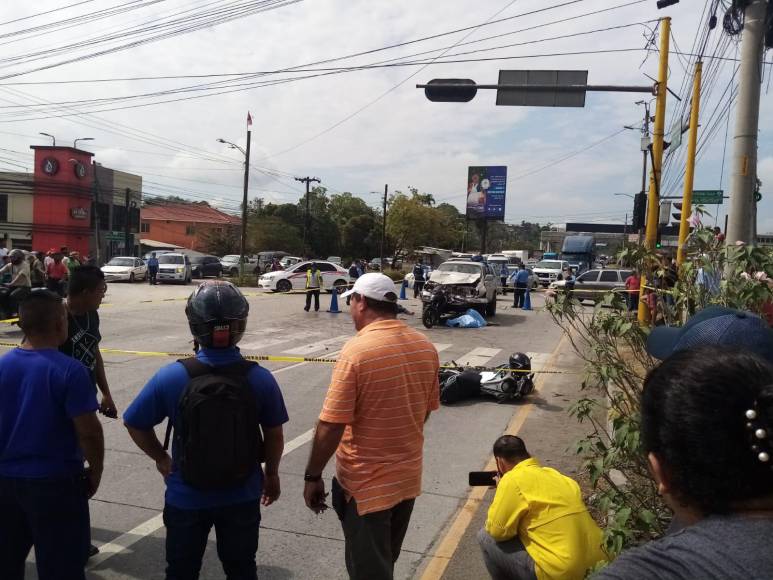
(516, 257)
(579, 251)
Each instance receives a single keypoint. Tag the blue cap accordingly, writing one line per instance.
(716, 326)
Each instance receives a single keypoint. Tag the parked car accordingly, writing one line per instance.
(294, 278)
(548, 271)
(173, 267)
(592, 284)
(375, 264)
(125, 268)
(510, 285)
(265, 259)
(288, 261)
(230, 264)
(470, 284)
(337, 260)
(203, 266)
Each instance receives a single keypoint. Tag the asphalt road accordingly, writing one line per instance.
(294, 542)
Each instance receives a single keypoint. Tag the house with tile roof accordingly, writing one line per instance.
(186, 225)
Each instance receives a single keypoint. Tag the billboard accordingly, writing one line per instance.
(486, 192)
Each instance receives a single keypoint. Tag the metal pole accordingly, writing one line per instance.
(306, 220)
(383, 226)
(657, 155)
(689, 177)
(741, 216)
(96, 214)
(243, 245)
(126, 231)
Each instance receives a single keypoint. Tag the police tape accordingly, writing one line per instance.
(296, 359)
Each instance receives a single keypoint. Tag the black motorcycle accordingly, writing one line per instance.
(508, 382)
(9, 305)
(435, 307)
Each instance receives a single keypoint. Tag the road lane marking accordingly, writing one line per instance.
(450, 542)
(295, 337)
(478, 357)
(441, 346)
(127, 540)
(320, 346)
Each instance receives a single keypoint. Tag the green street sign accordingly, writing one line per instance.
(114, 236)
(707, 197)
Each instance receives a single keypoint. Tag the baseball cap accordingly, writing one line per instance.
(375, 286)
(716, 326)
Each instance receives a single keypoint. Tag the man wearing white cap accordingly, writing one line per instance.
(384, 386)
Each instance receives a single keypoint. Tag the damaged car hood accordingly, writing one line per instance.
(446, 278)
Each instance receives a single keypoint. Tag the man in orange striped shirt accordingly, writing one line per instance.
(384, 386)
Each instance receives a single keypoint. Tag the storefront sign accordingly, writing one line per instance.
(79, 213)
(80, 170)
(50, 166)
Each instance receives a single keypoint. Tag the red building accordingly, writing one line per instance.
(186, 225)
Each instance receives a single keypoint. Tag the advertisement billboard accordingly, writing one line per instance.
(486, 187)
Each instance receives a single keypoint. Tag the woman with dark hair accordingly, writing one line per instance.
(707, 430)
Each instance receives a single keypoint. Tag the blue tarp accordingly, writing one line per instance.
(470, 319)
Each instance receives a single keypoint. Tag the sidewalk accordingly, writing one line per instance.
(549, 433)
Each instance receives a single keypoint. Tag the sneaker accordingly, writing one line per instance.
(306, 308)
(93, 550)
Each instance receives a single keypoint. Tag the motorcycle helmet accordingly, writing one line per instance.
(217, 314)
(16, 256)
(520, 361)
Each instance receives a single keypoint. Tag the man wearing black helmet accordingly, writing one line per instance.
(214, 480)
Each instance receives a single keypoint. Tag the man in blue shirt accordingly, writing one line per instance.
(152, 269)
(48, 426)
(521, 278)
(217, 315)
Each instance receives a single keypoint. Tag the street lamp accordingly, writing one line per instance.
(75, 143)
(626, 195)
(246, 154)
(49, 135)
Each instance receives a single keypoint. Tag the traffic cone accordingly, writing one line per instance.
(527, 300)
(402, 290)
(334, 302)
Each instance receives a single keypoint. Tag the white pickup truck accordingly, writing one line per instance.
(548, 271)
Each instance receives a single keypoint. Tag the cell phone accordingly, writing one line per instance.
(482, 478)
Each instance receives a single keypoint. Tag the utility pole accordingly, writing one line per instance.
(96, 214)
(689, 176)
(127, 225)
(306, 227)
(653, 205)
(243, 244)
(383, 225)
(742, 216)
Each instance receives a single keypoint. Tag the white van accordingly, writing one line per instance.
(174, 267)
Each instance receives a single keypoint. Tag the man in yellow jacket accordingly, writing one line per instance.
(313, 284)
(538, 526)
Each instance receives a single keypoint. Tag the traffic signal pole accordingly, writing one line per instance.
(657, 156)
(689, 177)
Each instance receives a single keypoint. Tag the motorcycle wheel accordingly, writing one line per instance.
(429, 318)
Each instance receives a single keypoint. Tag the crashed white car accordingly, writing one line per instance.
(470, 285)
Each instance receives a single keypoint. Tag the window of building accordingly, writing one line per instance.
(145, 227)
(3, 208)
(119, 217)
(21, 243)
(190, 230)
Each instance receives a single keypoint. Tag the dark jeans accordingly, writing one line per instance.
(309, 293)
(57, 286)
(519, 296)
(417, 288)
(53, 516)
(633, 301)
(152, 274)
(236, 528)
(374, 541)
(506, 560)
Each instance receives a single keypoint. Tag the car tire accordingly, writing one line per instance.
(131, 277)
(145, 277)
(284, 286)
(234, 272)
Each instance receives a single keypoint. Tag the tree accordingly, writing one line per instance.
(359, 237)
(273, 233)
(222, 242)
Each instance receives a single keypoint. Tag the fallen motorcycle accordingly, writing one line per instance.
(435, 308)
(508, 382)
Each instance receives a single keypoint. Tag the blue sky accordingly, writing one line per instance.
(360, 130)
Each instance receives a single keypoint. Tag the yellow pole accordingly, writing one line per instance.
(657, 154)
(689, 177)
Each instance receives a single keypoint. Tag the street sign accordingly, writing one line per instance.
(707, 197)
(558, 97)
(451, 94)
(114, 236)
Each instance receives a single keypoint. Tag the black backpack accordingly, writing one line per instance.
(217, 431)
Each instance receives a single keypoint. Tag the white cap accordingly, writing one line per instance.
(375, 286)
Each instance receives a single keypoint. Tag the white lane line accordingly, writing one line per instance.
(127, 540)
(266, 343)
(441, 346)
(478, 357)
(320, 346)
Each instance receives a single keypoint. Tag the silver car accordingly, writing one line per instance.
(594, 284)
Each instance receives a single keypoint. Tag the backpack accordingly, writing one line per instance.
(353, 271)
(217, 431)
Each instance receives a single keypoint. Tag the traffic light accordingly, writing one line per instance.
(451, 90)
(677, 215)
(665, 213)
(639, 211)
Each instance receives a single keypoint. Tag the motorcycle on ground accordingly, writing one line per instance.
(435, 308)
(508, 382)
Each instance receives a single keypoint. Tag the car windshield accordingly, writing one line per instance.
(169, 259)
(121, 262)
(549, 265)
(230, 258)
(197, 260)
(461, 268)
